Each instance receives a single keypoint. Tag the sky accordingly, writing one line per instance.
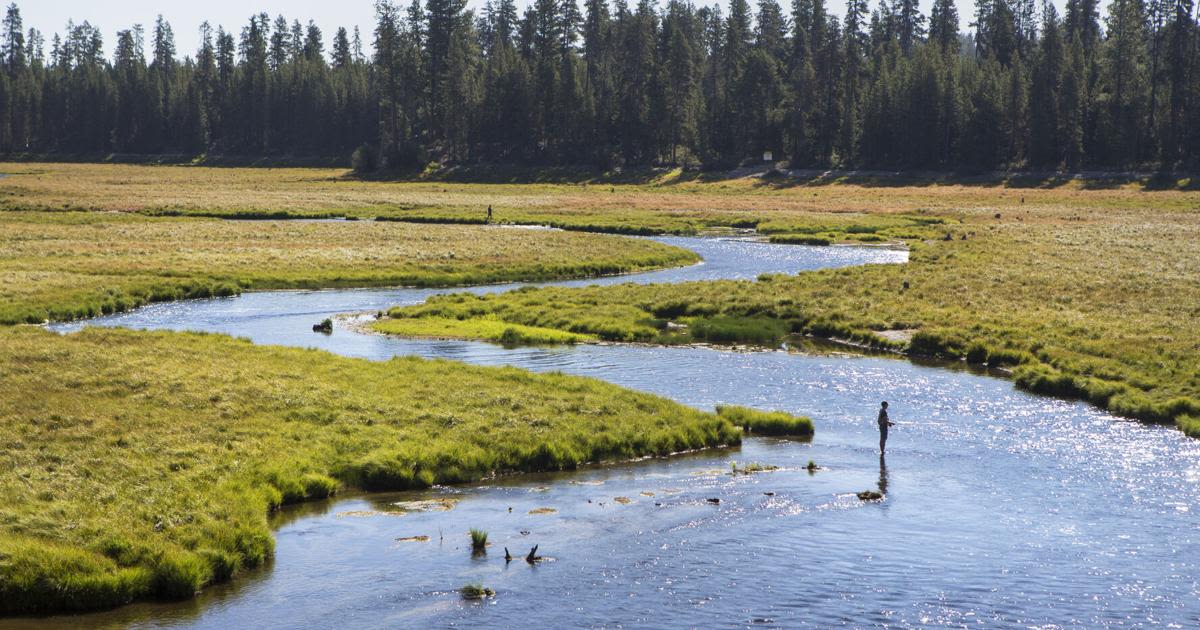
(50, 16)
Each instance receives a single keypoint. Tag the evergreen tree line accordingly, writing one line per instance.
(607, 84)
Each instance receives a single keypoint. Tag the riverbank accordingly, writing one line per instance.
(144, 464)
(68, 265)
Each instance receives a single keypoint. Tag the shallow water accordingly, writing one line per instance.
(1001, 508)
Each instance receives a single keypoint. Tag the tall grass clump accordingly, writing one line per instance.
(775, 423)
(726, 329)
(479, 539)
(801, 239)
(1190, 425)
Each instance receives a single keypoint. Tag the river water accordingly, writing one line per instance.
(1002, 508)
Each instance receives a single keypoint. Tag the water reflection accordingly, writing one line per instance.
(883, 475)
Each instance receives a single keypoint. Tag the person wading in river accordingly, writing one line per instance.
(884, 423)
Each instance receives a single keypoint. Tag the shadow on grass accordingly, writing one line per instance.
(775, 179)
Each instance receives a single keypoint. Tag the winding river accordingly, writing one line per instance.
(1002, 508)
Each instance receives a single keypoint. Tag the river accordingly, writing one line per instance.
(1002, 508)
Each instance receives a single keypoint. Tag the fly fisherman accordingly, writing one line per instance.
(884, 423)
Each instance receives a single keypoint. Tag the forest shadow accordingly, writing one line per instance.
(766, 178)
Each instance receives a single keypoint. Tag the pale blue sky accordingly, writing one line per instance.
(50, 16)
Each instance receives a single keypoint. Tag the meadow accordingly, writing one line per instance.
(1083, 299)
(144, 464)
(642, 202)
(68, 265)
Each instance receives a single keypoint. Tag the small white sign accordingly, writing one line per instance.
(768, 156)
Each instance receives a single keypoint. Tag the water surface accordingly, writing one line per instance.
(1002, 508)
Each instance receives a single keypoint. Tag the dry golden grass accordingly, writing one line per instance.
(673, 202)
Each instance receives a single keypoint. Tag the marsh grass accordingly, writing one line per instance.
(63, 266)
(479, 539)
(1190, 425)
(476, 591)
(144, 464)
(760, 331)
(775, 423)
(801, 239)
(483, 328)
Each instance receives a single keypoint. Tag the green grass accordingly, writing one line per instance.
(801, 239)
(476, 591)
(731, 329)
(766, 422)
(62, 266)
(478, 540)
(144, 464)
(1189, 425)
(484, 328)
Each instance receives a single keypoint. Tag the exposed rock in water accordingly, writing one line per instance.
(869, 495)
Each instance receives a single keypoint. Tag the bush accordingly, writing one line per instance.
(365, 159)
(767, 422)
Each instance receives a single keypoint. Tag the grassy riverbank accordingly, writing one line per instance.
(483, 328)
(62, 266)
(1080, 300)
(144, 464)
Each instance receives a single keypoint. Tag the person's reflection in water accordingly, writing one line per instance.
(883, 480)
